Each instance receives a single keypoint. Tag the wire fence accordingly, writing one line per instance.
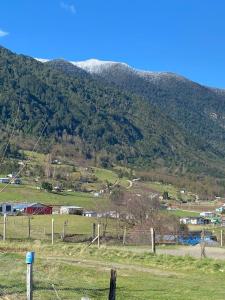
(36, 228)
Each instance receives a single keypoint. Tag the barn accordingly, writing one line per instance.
(37, 209)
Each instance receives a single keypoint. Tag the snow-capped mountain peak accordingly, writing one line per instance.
(95, 65)
(43, 60)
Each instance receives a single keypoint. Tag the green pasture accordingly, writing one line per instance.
(74, 271)
(160, 187)
(183, 213)
(30, 194)
(17, 227)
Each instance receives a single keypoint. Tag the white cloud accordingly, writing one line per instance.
(68, 7)
(3, 33)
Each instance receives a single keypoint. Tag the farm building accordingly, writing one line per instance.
(4, 180)
(16, 181)
(37, 209)
(6, 208)
(71, 210)
(207, 214)
(89, 214)
(194, 221)
(220, 209)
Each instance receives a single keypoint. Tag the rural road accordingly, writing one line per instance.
(195, 251)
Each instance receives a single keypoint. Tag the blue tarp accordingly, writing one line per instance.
(194, 240)
(190, 240)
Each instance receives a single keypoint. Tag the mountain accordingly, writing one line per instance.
(198, 109)
(100, 120)
(96, 119)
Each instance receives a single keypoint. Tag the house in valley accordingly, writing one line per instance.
(71, 210)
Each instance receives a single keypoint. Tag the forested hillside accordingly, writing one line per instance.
(197, 109)
(97, 119)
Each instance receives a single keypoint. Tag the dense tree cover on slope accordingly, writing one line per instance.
(198, 109)
(99, 119)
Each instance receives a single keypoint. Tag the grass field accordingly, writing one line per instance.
(159, 187)
(110, 176)
(41, 226)
(76, 272)
(183, 213)
(26, 193)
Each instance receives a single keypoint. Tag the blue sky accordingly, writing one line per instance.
(182, 36)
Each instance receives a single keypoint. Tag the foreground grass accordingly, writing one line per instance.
(76, 272)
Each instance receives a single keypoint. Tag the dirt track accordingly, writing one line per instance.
(211, 252)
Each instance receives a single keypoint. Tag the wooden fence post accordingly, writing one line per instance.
(28, 227)
(52, 231)
(29, 282)
(203, 254)
(29, 261)
(98, 236)
(64, 230)
(93, 230)
(153, 240)
(124, 235)
(4, 227)
(112, 287)
(221, 238)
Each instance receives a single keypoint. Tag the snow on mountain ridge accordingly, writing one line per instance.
(43, 60)
(96, 66)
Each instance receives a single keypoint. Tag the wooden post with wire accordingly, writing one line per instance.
(93, 230)
(64, 230)
(98, 236)
(203, 254)
(221, 238)
(153, 240)
(124, 235)
(112, 287)
(52, 231)
(29, 229)
(4, 227)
